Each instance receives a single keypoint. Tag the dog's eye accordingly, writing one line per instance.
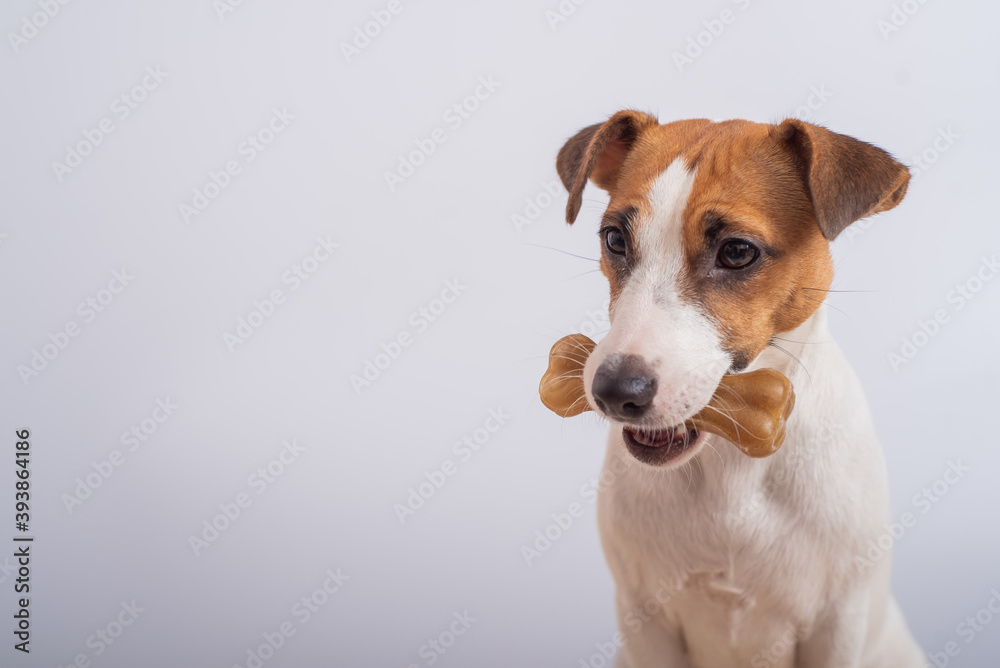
(737, 254)
(615, 241)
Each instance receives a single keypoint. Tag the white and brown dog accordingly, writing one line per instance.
(716, 246)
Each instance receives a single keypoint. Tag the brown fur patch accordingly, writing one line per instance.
(787, 189)
(748, 185)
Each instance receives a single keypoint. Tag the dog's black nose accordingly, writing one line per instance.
(624, 387)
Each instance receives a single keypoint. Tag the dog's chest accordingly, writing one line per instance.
(715, 574)
(729, 553)
(727, 558)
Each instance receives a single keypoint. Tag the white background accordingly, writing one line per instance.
(162, 336)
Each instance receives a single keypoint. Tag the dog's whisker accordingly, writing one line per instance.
(804, 343)
(575, 355)
(575, 359)
(837, 291)
(581, 346)
(690, 476)
(829, 305)
(559, 250)
(578, 401)
(559, 379)
(722, 461)
(732, 393)
(569, 374)
(578, 354)
(592, 271)
(728, 415)
(777, 347)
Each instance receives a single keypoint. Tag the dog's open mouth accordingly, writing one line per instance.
(657, 447)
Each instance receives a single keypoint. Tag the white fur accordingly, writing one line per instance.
(721, 560)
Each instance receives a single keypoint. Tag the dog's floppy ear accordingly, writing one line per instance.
(597, 152)
(846, 179)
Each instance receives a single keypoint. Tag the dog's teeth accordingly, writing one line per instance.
(652, 438)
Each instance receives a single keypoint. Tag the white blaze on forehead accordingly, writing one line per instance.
(650, 319)
(659, 242)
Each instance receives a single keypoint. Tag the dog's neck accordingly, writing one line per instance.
(807, 356)
(793, 352)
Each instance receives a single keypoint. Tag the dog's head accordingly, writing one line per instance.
(716, 238)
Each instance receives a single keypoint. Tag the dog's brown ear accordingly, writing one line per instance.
(846, 179)
(597, 152)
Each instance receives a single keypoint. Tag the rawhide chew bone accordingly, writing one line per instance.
(561, 388)
(748, 409)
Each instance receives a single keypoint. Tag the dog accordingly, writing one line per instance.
(715, 242)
